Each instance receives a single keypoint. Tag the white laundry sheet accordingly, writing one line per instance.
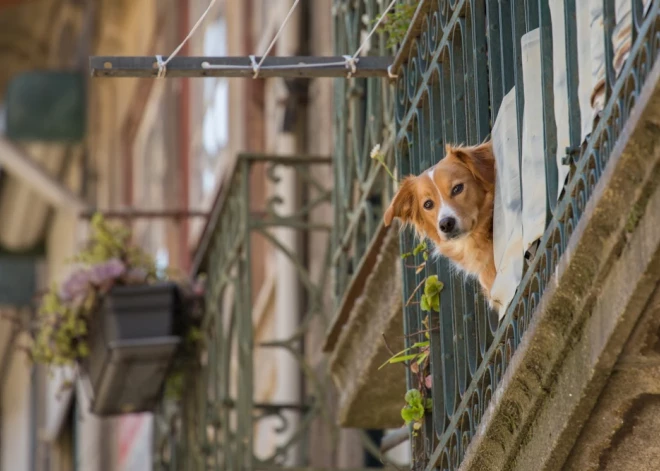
(507, 215)
(534, 202)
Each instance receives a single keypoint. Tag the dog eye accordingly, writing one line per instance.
(457, 189)
(428, 204)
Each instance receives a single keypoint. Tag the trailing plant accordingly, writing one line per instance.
(396, 23)
(184, 364)
(379, 156)
(186, 361)
(416, 406)
(416, 356)
(110, 258)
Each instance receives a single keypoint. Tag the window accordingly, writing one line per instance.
(210, 115)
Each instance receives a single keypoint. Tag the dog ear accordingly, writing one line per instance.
(403, 205)
(479, 160)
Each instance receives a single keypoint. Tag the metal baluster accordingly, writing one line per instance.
(548, 105)
(572, 76)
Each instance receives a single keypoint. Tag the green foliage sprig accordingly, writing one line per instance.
(379, 156)
(109, 258)
(415, 408)
(396, 23)
(416, 356)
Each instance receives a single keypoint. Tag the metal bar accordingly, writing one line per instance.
(394, 439)
(146, 214)
(16, 162)
(496, 78)
(287, 159)
(245, 450)
(479, 69)
(548, 100)
(295, 66)
(574, 122)
(412, 34)
(278, 406)
(518, 29)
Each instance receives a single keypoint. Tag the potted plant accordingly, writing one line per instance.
(116, 319)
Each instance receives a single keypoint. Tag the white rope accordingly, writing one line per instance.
(255, 66)
(275, 38)
(162, 65)
(390, 72)
(373, 30)
(350, 61)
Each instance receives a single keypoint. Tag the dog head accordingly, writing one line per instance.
(446, 202)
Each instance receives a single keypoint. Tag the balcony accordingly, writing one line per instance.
(215, 422)
(520, 392)
(577, 83)
(514, 393)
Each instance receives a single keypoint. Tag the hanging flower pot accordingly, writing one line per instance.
(132, 340)
(116, 320)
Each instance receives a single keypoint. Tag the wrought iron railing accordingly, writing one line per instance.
(213, 424)
(460, 58)
(364, 118)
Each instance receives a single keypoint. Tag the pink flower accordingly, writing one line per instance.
(76, 285)
(107, 272)
(428, 381)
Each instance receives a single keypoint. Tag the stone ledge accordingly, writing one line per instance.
(622, 432)
(369, 397)
(587, 311)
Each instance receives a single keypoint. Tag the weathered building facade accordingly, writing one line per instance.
(268, 188)
(567, 378)
(154, 146)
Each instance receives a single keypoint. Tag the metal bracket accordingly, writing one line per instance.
(289, 67)
(146, 214)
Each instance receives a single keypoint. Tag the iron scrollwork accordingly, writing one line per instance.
(212, 425)
(449, 88)
(363, 119)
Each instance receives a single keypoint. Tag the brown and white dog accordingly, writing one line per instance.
(452, 204)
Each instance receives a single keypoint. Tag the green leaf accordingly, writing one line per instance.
(432, 285)
(407, 414)
(413, 396)
(425, 303)
(420, 248)
(412, 413)
(403, 358)
(389, 360)
(435, 304)
(422, 357)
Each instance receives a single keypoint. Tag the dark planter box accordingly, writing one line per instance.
(132, 340)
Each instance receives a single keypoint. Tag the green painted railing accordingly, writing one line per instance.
(460, 58)
(212, 425)
(364, 118)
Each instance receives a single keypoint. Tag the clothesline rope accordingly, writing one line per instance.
(350, 61)
(275, 38)
(162, 65)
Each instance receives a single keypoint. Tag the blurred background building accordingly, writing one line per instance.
(159, 145)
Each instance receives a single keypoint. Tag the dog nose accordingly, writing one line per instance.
(447, 224)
